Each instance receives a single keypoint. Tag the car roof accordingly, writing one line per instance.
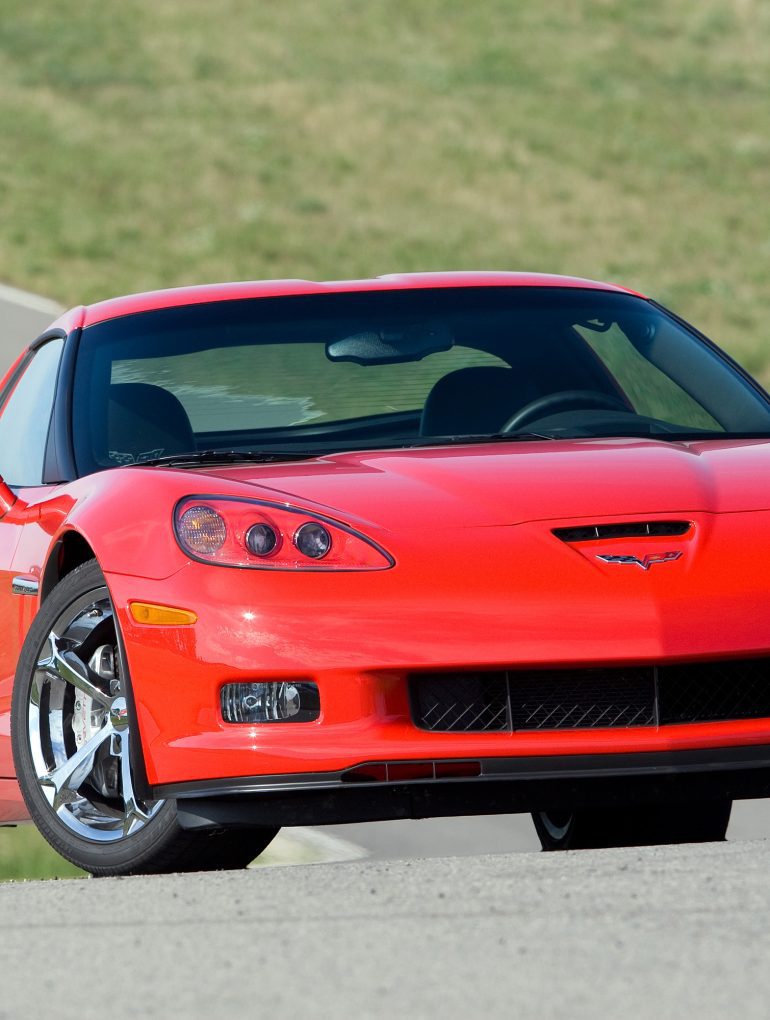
(113, 308)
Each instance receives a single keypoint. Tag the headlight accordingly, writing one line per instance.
(313, 540)
(202, 530)
(235, 532)
(261, 539)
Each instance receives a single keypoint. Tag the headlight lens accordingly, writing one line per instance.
(261, 539)
(313, 540)
(235, 532)
(202, 530)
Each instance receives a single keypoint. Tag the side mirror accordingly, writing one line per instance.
(7, 498)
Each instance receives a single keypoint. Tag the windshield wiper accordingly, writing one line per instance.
(507, 437)
(700, 435)
(195, 458)
(494, 437)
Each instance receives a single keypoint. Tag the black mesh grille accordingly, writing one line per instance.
(461, 702)
(709, 691)
(591, 698)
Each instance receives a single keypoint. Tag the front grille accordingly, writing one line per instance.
(461, 702)
(570, 699)
(593, 699)
(711, 691)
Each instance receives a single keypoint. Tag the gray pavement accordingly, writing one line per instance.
(654, 933)
(22, 317)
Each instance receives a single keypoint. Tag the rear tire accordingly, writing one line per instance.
(77, 753)
(637, 825)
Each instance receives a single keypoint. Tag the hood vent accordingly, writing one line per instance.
(632, 529)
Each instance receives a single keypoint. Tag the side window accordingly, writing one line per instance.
(653, 393)
(25, 418)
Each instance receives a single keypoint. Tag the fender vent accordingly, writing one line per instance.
(632, 529)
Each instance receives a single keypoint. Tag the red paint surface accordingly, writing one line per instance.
(478, 581)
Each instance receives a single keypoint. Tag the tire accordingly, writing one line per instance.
(77, 752)
(637, 825)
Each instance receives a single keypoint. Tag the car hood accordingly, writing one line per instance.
(512, 483)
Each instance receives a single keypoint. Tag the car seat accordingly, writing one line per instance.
(475, 401)
(145, 421)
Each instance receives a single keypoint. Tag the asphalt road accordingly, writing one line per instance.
(22, 317)
(655, 933)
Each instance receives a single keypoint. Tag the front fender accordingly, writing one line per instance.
(125, 517)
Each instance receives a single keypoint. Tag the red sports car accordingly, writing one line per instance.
(292, 553)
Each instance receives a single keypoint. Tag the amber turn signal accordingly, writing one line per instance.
(163, 616)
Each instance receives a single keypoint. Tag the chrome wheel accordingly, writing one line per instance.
(556, 824)
(78, 756)
(79, 728)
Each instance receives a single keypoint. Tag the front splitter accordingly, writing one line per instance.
(501, 786)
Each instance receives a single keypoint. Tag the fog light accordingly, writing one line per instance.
(270, 702)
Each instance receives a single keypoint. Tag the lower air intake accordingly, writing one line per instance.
(461, 702)
(514, 700)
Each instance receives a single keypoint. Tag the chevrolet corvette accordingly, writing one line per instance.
(291, 553)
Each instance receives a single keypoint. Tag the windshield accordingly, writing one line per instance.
(330, 372)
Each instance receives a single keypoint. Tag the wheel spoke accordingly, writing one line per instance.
(69, 776)
(72, 670)
(134, 814)
(78, 725)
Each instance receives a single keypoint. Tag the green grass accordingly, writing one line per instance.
(163, 142)
(24, 854)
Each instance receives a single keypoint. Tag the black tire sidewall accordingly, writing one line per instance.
(136, 851)
(638, 825)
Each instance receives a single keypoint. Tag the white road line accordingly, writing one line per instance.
(26, 300)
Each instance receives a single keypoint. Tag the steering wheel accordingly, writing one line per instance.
(563, 400)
